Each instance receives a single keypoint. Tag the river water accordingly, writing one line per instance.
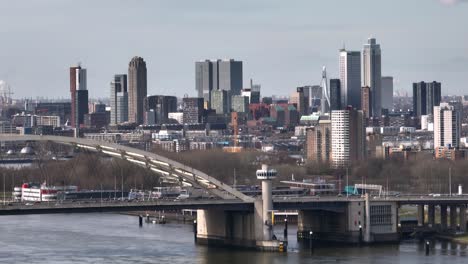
(114, 238)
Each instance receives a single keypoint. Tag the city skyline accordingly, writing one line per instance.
(170, 56)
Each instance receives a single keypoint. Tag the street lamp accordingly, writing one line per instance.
(310, 240)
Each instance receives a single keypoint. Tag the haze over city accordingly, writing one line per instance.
(244, 131)
(283, 44)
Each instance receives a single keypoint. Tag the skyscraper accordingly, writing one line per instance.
(240, 104)
(204, 78)
(119, 99)
(366, 101)
(348, 137)
(447, 126)
(160, 106)
(193, 110)
(372, 75)
(319, 142)
(137, 89)
(350, 78)
(79, 96)
(387, 92)
(301, 99)
(218, 75)
(220, 101)
(425, 97)
(335, 94)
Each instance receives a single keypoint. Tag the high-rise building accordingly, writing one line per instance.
(137, 89)
(348, 137)
(350, 78)
(387, 92)
(220, 101)
(319, 142)
(366, 101)
(159, 107)
(335, 94)
(240, 104)
(301, 99)
(193, 110)
(253, 96)
(218, 75)
(204, 79)
(447, 126)
(61, 109)
(119, 99)
(425, 97)
(79, 96)
(372, 74)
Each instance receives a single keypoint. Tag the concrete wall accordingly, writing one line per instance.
(356, 214)
(229, 228)
(383, 221)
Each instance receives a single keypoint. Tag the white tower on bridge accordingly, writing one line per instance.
(325, 101)
(266, 175)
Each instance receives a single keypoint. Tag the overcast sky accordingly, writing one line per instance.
(283, 44)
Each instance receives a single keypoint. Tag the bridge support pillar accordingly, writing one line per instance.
(443, 216)
(453, 217)
(226, 228)
(421, 215)
(431, 215)
(462, 216)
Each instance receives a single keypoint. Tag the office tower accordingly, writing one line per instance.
(97, 107)
(220, 101)
(425, 97)
(63, 110)
(372, 75)
(325, 100)
(240, 104)
(158, 108)
(193, 110)
(137, 89)
(447, 126)
(204, 78)
(319, 142)
(218, 75)
(230, 76)
(387, 92)
(335, 94)
(366, 101)
(301, 99)
(79, 96)
(253, 96)
(119, 99)
(350, 78)
(348, 137)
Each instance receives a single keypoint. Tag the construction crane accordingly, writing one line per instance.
(235, 127)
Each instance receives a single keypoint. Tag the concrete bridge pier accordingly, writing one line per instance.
(462, 218)
(443, 216)
(242, 228)
(431, 215)
(226, 228)
(420, 215)
(453, 217)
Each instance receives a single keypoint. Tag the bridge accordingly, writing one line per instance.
(236, 219)
(167, 168)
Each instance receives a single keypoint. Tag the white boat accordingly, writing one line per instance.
(37, 193)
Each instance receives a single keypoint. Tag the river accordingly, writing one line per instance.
(114, 238)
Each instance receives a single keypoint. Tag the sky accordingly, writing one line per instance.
(283, 44)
